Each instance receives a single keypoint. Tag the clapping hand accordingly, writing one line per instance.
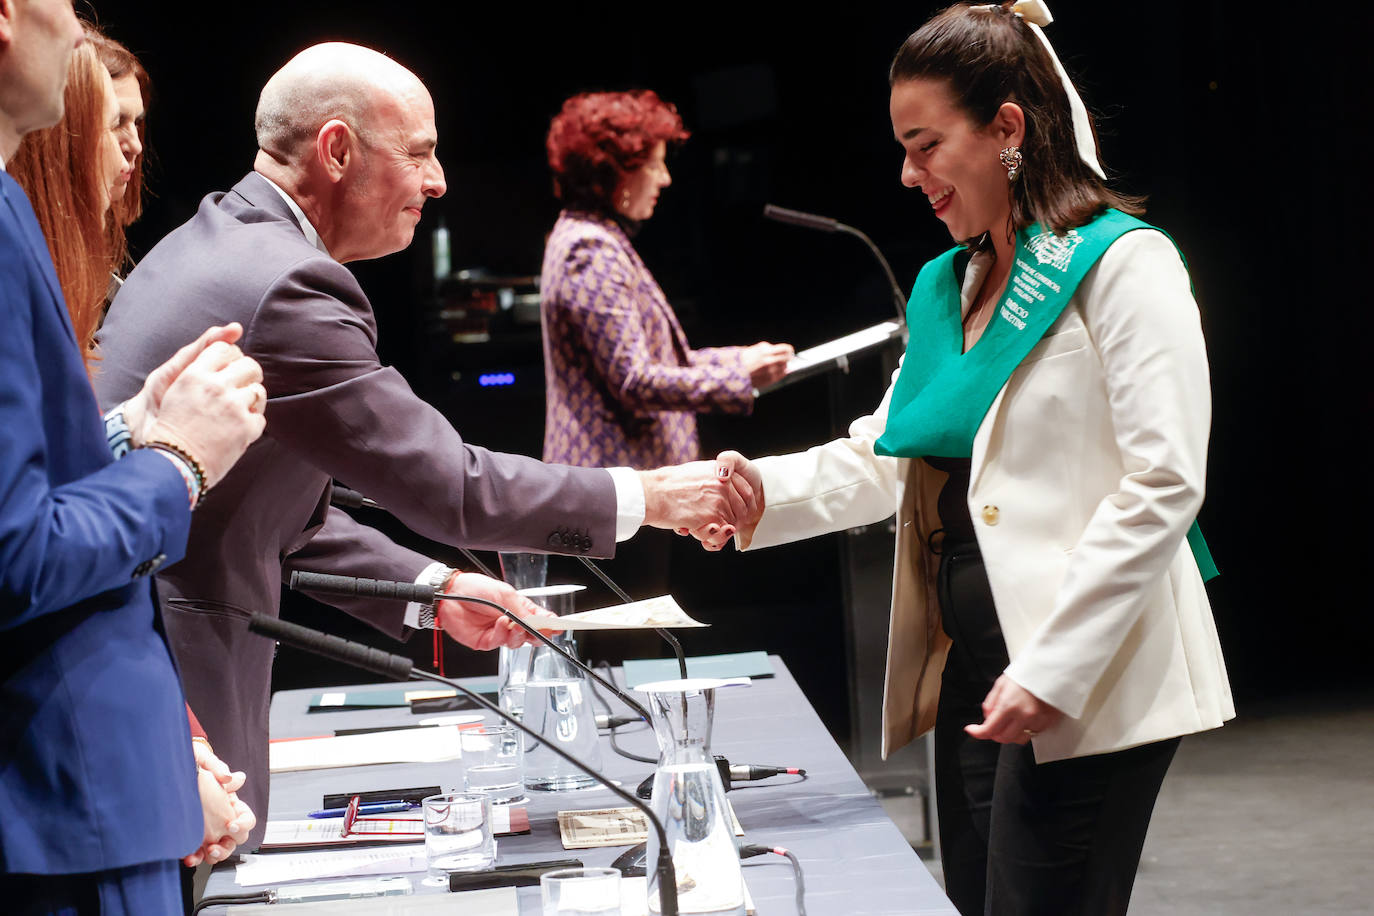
(208, 400)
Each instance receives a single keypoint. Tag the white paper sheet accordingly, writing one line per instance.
(419, 745)
(634, 898)
(842, 345)
(662, 611)
(277, 868)
(328, 831)
(493, 901)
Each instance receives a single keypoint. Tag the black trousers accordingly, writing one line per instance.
(1018, 837)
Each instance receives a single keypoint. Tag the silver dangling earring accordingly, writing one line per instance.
(1011, 158)
(624, 200)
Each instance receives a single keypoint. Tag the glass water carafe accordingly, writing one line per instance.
(558, 705)
(689, 798)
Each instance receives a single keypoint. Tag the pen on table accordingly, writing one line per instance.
(386, 807)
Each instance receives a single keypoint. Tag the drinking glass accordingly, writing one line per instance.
(458, 835)
(494, 762)
(581, 892)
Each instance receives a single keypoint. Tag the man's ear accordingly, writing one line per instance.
(334, 147)
(1009, 124)
(6, 23)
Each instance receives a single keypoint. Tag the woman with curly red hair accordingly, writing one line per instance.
(623, 384)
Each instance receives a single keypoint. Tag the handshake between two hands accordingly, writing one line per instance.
(713, 501)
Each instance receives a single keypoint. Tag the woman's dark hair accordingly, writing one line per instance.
(986, 56)
(600, 137)
(121, 62)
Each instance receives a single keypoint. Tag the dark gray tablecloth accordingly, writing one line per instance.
(855, 860)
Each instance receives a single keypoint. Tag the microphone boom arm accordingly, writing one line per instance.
(528, 628)
(826, 224)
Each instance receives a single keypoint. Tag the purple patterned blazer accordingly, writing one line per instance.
(622, 385)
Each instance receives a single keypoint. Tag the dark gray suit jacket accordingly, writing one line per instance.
(333, 412)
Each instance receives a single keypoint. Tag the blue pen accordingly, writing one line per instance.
(389, 807)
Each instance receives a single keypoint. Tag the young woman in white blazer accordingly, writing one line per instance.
(1044, 445)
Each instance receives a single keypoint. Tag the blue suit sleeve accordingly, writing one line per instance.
(66, 535)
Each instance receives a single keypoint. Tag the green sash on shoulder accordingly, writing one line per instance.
(943, 393)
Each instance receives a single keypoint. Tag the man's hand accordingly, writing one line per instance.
(1012, 714)
(228, 820)
(715, 535)
(687, 497)
(767, 362)
(482, 627)
(208, 399)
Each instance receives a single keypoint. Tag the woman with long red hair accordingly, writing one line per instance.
(68, 172)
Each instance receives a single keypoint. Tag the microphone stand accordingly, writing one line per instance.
(399, 668)
(826, 224)
(668, 637)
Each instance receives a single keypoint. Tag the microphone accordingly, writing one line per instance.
(365, 588)
(744, 772)
(826, 224)
(798, 218)
(352, 499)
(426, 594)
(731, 773)
(399, 668)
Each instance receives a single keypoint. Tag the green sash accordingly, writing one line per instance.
(943, 393)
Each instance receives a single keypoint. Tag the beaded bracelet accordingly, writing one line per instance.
(195, 483)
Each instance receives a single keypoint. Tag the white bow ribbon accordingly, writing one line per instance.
(1037, 16)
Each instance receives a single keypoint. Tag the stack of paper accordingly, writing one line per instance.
(256, 869)
(495, 901)
(420, 745)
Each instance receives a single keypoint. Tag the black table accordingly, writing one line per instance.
(854, 859)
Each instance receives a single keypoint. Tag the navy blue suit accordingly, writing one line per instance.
(96, 771)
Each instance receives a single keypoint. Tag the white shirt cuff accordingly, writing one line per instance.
(412, 618)
(629, 502)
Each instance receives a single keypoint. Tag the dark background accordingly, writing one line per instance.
(1244, 131)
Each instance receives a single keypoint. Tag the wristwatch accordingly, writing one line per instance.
(428, 620)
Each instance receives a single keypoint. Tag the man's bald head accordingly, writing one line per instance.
(331, 81)
(349, 135)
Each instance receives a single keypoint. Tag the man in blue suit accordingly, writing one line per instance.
(98, 787)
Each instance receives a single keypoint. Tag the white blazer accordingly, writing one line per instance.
(1087, 472)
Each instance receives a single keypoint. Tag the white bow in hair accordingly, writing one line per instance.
(1037, 16)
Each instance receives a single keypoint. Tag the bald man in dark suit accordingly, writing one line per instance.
(346, 161)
